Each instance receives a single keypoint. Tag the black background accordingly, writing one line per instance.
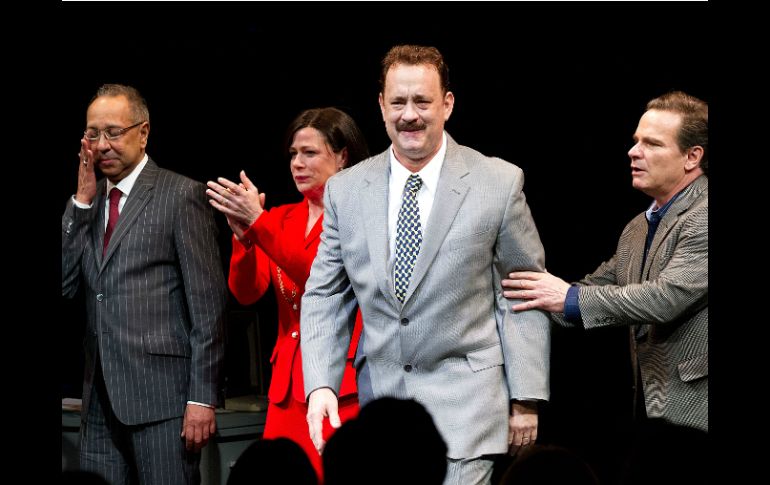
(556, 88)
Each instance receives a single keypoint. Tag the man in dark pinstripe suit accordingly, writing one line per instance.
(657, 282)
(142, 243)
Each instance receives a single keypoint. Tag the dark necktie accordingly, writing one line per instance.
(652, 227)
(115, 194)
(408, 235)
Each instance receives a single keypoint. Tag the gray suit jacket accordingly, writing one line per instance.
(665, 303)
(454, 345)
(155, 301)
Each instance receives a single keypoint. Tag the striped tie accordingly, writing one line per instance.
(408, 235)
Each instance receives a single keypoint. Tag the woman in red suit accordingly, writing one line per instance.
(278, 246)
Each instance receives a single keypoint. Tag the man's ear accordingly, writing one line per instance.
(694, 156)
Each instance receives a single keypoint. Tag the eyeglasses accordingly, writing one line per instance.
(111, 133)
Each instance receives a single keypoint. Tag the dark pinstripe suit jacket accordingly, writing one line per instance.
(665, 303)
(155, 302)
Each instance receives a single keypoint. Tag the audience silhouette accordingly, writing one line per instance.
(391, 441)
(548, 465)
(277, 460)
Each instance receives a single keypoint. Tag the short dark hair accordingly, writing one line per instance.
(695, 121)
(139, 111)
(412, 55)
(337, 127)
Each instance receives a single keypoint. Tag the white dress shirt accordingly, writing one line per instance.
(398, 175)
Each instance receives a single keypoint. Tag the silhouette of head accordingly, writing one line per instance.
(548, 465)
(278, 460)
(391, 441)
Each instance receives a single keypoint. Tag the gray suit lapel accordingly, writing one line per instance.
(140, 195)
(97, 232)
(374, 213)
(669, 221)
(450, 193)
(679, 206)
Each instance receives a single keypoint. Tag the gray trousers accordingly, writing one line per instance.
(146, 454)
(470, 471)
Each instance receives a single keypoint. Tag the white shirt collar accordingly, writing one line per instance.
(429, 174)
(129, 180)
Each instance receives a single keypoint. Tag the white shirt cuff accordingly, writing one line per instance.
(201, 404)
(80, 204)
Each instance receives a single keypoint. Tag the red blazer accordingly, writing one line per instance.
(278, 238)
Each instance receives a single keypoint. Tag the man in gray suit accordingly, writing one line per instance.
(142, 242)
(419, 237)
(657, 282)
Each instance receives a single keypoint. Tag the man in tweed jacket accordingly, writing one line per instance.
(141, 243)
(657, 282)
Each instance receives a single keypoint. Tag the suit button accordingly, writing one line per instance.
(99, 297)
(295, 334)
(405, 321)
(408, 368)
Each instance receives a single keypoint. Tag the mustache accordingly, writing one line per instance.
(410, 126)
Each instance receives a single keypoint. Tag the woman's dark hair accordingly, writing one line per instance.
(337, 127)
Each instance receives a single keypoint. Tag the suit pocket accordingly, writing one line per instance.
(485, 358)
(694, 368)
(166, 345)
(463, 242)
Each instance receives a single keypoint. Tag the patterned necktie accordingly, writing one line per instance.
(115, 194)
(408, 235)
